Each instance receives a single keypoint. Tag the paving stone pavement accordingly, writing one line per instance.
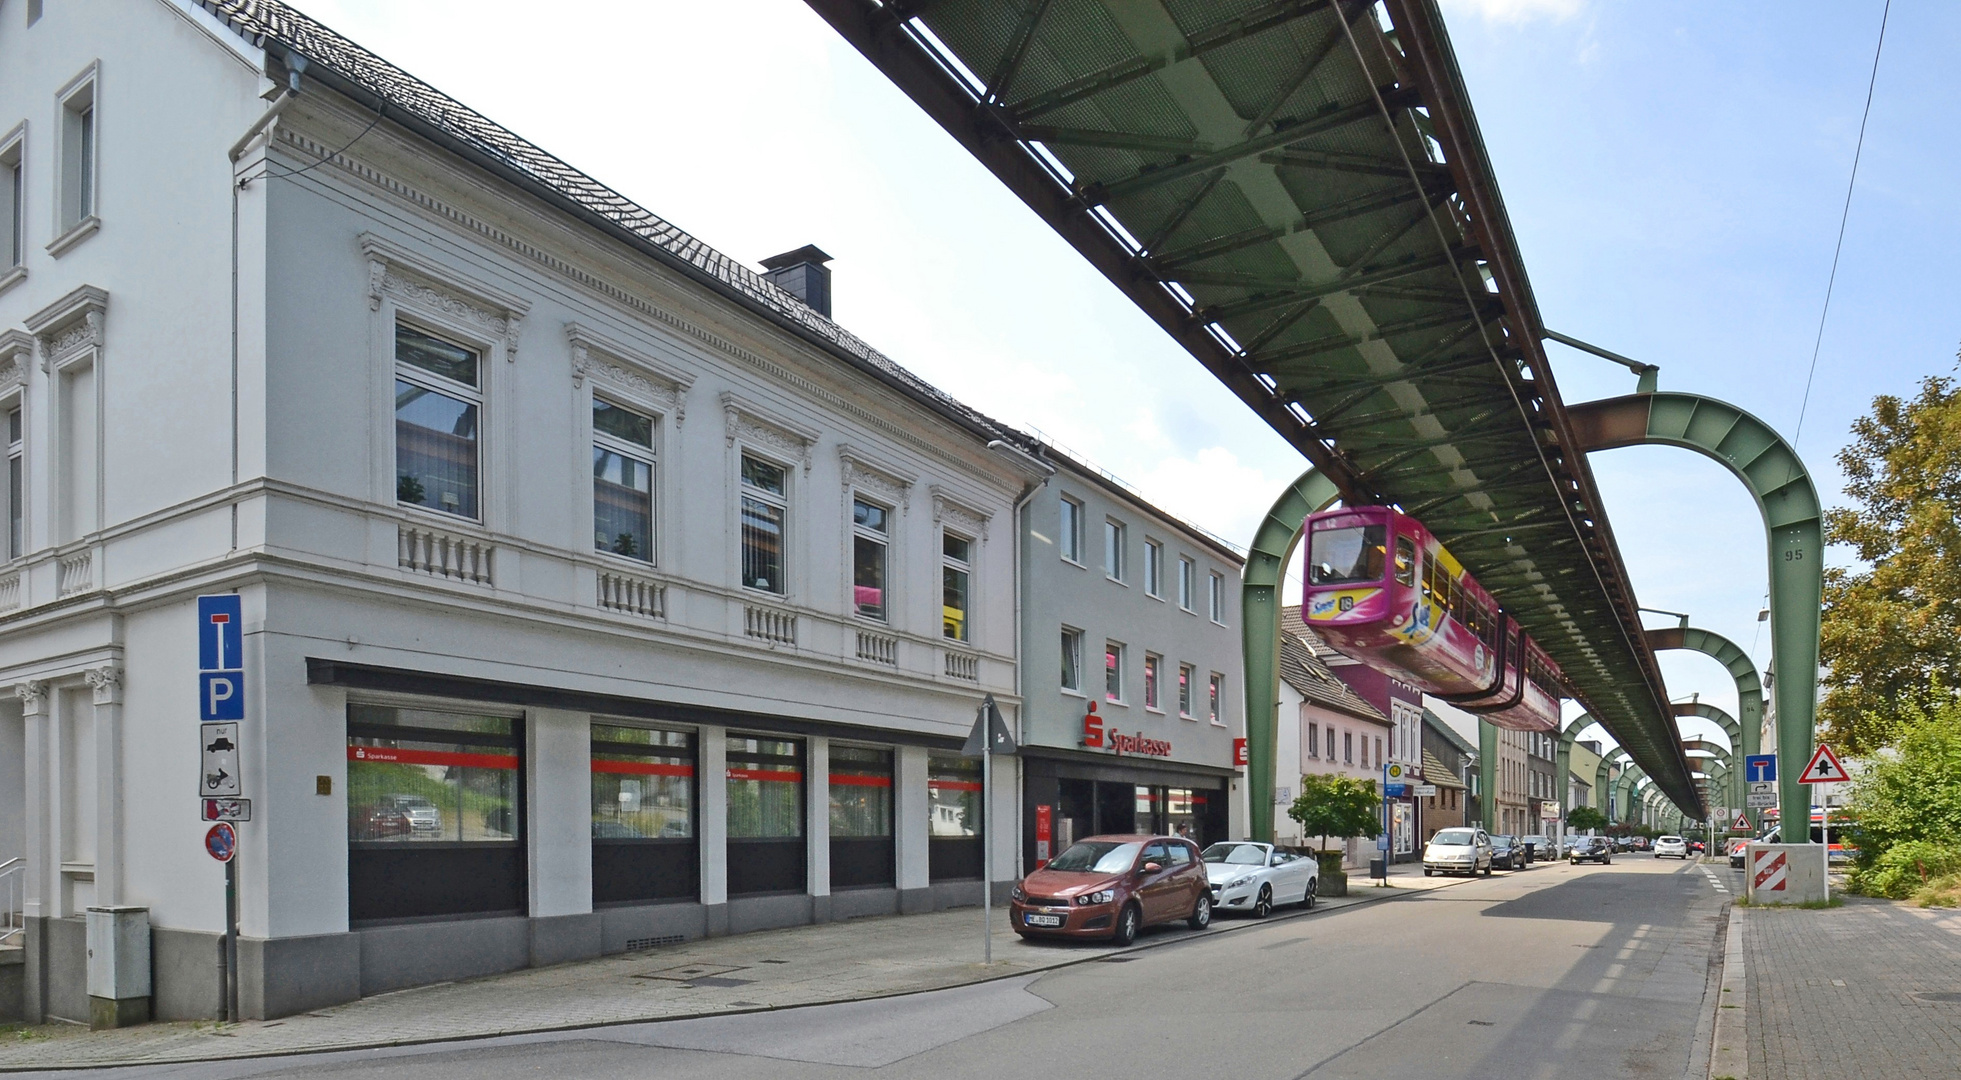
(1871, 989)
(806, 965)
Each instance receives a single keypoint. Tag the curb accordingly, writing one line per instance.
(438, 1040)
(1729, 1055)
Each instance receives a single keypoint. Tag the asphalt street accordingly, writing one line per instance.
(1555, 971)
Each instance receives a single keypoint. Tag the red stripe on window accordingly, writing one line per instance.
(767, 776)
(953, 785)
(643, 768)
(853, 780)
(394, 756)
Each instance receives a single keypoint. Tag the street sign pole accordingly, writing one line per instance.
(989, 737)
(231, 939)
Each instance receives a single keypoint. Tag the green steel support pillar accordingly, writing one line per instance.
(1600, 793)
(1487, 775)
(1749, 686)
(1260, 603)
(1730, 728)
(1777, 478)
(1563, 758)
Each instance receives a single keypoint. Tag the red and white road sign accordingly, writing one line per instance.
(1742, 823)
(1823, 768)
(1767, 870)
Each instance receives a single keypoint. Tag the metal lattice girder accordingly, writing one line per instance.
(1776, 477)
(1299, 195)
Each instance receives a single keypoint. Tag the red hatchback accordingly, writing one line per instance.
(1111, 887)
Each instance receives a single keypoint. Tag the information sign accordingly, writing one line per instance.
(1426, 789)
(1395, 791)
(218, 747)
(220, 657)
(1762, 795)
(227, 809)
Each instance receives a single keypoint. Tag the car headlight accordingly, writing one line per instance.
(1101, 896)
(1016, 893)
(1239, 881)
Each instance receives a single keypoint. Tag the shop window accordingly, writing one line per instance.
(766, 814)
(765, 513)
(435, 814)
(862, 854)
(622, 481)
(437, 402)
(643, 815)
(956, 579)
(870, 545)
(954, 826)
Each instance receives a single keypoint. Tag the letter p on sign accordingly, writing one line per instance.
(221, 695)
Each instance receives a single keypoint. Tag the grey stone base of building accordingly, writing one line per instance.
(13, 984)
(107, 1013)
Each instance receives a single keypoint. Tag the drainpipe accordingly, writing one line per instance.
(1026, 462)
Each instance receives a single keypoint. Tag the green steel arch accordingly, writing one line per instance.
(1266, 564)
(1600, 792)
(1749, 685)
(1776, 476)
(1730, 728)
(1563, 757)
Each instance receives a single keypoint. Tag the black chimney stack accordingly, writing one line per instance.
(802, 274)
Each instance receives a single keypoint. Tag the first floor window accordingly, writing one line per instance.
(1151, 665)
(436, 407)
(622, 481)
(765, 510)
(954, 825)
(956, 574)
(1215, 697)
(868, 555)
(1348, 747)
(1112, 671)
(1186, 673)
(1072, 659)
(643, 814)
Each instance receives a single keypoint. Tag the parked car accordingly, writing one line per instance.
(1642, 843)
(1671, 847)
(424, 818)
(380, 823)
(1507, 853)
(1697, 847)
(1111, 887)
(1592, 849)
(1458, 851)
(1538, 847)
(1255, 877)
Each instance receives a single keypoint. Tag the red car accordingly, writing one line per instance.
(1111, 887)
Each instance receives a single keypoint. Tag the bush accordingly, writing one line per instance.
(1909, 792)
(1905, 868)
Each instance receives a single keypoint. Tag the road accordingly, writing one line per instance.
(1555, 971)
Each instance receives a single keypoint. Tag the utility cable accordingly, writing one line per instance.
(1843, 216)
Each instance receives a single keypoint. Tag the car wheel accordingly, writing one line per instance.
(1487, 871)
(1201, 912)
(1128, 924)
(1426, 871)
(1263, 904)
(1313, 887)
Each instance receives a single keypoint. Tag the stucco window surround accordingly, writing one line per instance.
(751, 431)
(863, 478)
(405, 288)
(960, 517)
(16, 349)
(77, 202)
(70, 334)
(605, 368)
(13, 206)
(75, 778)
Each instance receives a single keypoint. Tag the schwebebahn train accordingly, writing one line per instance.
(1381, 590)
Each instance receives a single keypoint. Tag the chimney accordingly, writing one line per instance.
(802, 274)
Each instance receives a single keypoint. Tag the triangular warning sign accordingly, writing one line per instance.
(990, 734)
(1823, 768)
(1742, 823)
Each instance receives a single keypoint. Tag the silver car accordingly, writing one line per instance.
(1458, 851)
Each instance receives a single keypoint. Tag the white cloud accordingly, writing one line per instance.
(1517, 11)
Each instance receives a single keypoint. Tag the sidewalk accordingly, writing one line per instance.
(1869, 989)
(806, 965)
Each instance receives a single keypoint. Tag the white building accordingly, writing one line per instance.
(1323, 724)
(596, 591)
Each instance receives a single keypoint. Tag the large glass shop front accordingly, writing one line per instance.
(1065, 801)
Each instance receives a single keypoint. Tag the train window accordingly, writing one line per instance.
(1405, 561)
(1339, 556)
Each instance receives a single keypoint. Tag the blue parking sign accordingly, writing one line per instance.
(1760, 768)
(220, 696)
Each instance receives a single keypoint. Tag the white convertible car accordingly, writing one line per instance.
(1254, 877)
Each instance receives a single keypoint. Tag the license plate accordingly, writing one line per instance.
(1042, 920)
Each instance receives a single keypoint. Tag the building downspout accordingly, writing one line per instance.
(1027, 462)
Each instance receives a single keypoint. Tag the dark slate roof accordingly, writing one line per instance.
(1436, 724)
(1436, 772)
(1302, 669)
(349, 69)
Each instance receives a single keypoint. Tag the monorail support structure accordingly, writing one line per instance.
(1749, 685)
(1785, 495)
(1737, 738)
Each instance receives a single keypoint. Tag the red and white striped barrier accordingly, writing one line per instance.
(1768, 870)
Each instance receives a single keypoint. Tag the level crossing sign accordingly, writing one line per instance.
(1823, 768)
(1760, 768)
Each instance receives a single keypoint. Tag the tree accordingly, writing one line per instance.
(1912, 790)
(1337, 806)
(1891, 634)
(1585, 819)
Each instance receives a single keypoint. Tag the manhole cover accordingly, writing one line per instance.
(1943, 998)
(713, 981)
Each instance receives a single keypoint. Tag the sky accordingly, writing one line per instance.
(1674, 172)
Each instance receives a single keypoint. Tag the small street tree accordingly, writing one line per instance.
(1585, 819)
(1339, 806)
(1891, 634)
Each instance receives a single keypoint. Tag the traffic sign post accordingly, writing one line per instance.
(989, 737)
(220, 711)
(1823, 768)
(1760, 768)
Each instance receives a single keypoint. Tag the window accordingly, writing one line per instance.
(1186, 674)
(1153, 568)
(1348, 747)
(436, 405)
(868, 557)
(643, 815)
(13, 202)
(765, 815)
(1185, 571)
(954, 819)
(1112, 672)
(15, 494)
(77, 176)
(622, 481)
(1072, 659)
(1365, 752)
(1313, 739)
(861, 817)
(1216, 597)
(1338, 556)
(1113, 550)
(1070, 529)
(433, 813)
(1215, 698)
(765, 508)
(956, 579)
(1152, 662)
(1378, 750)
(1405, 561)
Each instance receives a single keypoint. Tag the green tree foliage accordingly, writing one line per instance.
(1584, 818)
(1891, 635)
(1912, 790)
(1337, 806)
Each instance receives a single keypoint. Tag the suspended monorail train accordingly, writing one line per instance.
(1381, 590)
